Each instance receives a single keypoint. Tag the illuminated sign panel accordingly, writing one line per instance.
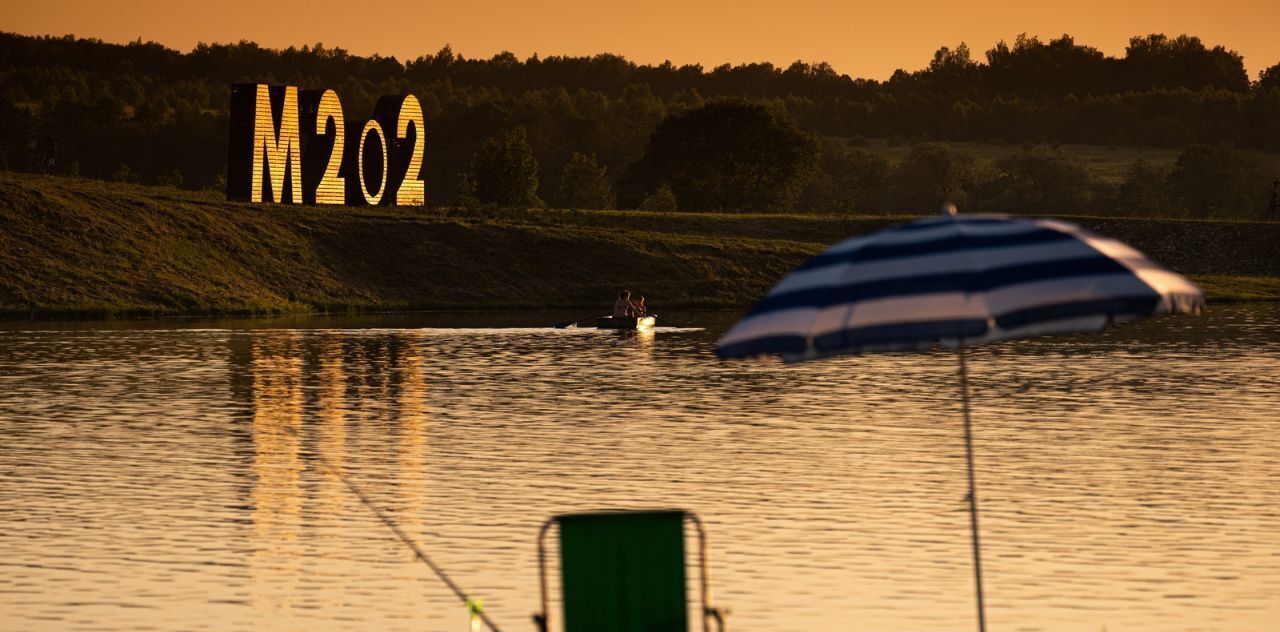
(291, 146)
(325, 136)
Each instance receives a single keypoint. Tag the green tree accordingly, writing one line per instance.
(933, 174)
(1269, 122)
(1037, 179)
(950, 69)
(728, 156)
(1143, 191)
(506, 173)
(466, 197)
(1160, 61)
(1034, 68)
(584, 184)
(1269, 78)
(848, 182)
(1218, 182)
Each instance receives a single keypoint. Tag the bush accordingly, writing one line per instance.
(171, 179)
(124, 174)
(662, 200)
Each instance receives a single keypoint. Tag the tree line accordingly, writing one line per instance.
(601, 131)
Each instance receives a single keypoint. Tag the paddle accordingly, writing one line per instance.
(571, 323)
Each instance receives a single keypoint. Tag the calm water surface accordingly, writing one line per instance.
(166, 475)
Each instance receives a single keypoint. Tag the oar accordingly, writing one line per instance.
(572, 323)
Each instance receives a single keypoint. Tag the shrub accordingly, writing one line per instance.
(663, 200)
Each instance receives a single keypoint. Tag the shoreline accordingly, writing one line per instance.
(78, 249)
(106, 315)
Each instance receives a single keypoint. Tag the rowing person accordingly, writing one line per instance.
(638, 307)
(622, 308)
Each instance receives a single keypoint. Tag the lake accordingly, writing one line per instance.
(169, 475)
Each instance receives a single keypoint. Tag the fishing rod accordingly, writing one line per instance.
(473, 605)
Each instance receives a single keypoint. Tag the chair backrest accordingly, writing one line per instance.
(623, 571)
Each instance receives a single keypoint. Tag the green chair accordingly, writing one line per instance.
(624, 571)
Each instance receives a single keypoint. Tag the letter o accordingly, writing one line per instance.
(376, 197)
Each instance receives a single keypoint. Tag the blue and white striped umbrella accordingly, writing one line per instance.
(956, 280)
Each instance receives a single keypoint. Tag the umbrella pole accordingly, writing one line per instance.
(973, 490)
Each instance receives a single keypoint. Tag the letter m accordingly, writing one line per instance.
(264, 149)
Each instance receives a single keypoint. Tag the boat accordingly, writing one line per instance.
(609, 322)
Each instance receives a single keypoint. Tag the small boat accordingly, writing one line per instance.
(609, 322)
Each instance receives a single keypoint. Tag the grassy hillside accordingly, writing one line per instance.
(81, 247)
(1107, 163)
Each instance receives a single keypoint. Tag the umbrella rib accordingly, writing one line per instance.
(851, 305)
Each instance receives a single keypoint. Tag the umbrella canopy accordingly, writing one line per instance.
(956, 280)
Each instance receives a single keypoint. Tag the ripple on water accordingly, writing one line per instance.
(170, 479)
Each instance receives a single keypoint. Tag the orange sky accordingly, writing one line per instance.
(863, 41)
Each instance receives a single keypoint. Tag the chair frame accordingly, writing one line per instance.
(708, 612)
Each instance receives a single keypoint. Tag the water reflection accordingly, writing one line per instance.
(277, 467)
(320, 397)
(169, 478)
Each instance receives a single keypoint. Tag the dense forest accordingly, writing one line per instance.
(602, 131)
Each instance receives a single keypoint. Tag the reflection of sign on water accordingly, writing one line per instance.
(296, 146)
(360, 404)
(276, 496)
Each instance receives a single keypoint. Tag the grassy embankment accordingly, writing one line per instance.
(73, 247)
(1107, 163)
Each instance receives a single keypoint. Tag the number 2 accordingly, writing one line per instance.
(332, 187)
(412, 191)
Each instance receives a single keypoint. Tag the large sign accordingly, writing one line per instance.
(294, 146)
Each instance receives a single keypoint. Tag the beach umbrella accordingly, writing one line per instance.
(955, 281)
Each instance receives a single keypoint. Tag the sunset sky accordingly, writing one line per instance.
(862, 41)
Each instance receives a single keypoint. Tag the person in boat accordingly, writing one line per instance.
(622, 308)
(638, 307)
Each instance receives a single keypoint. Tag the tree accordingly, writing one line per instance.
(1218, 181)
(933, 174)
(848, 182)
(1039, 180)
(584, 184)
(1143, 191)
(1158, 61)
(951, 70)
(1033, 69)
(727, 156)
(506, 172)
(1269, 79)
